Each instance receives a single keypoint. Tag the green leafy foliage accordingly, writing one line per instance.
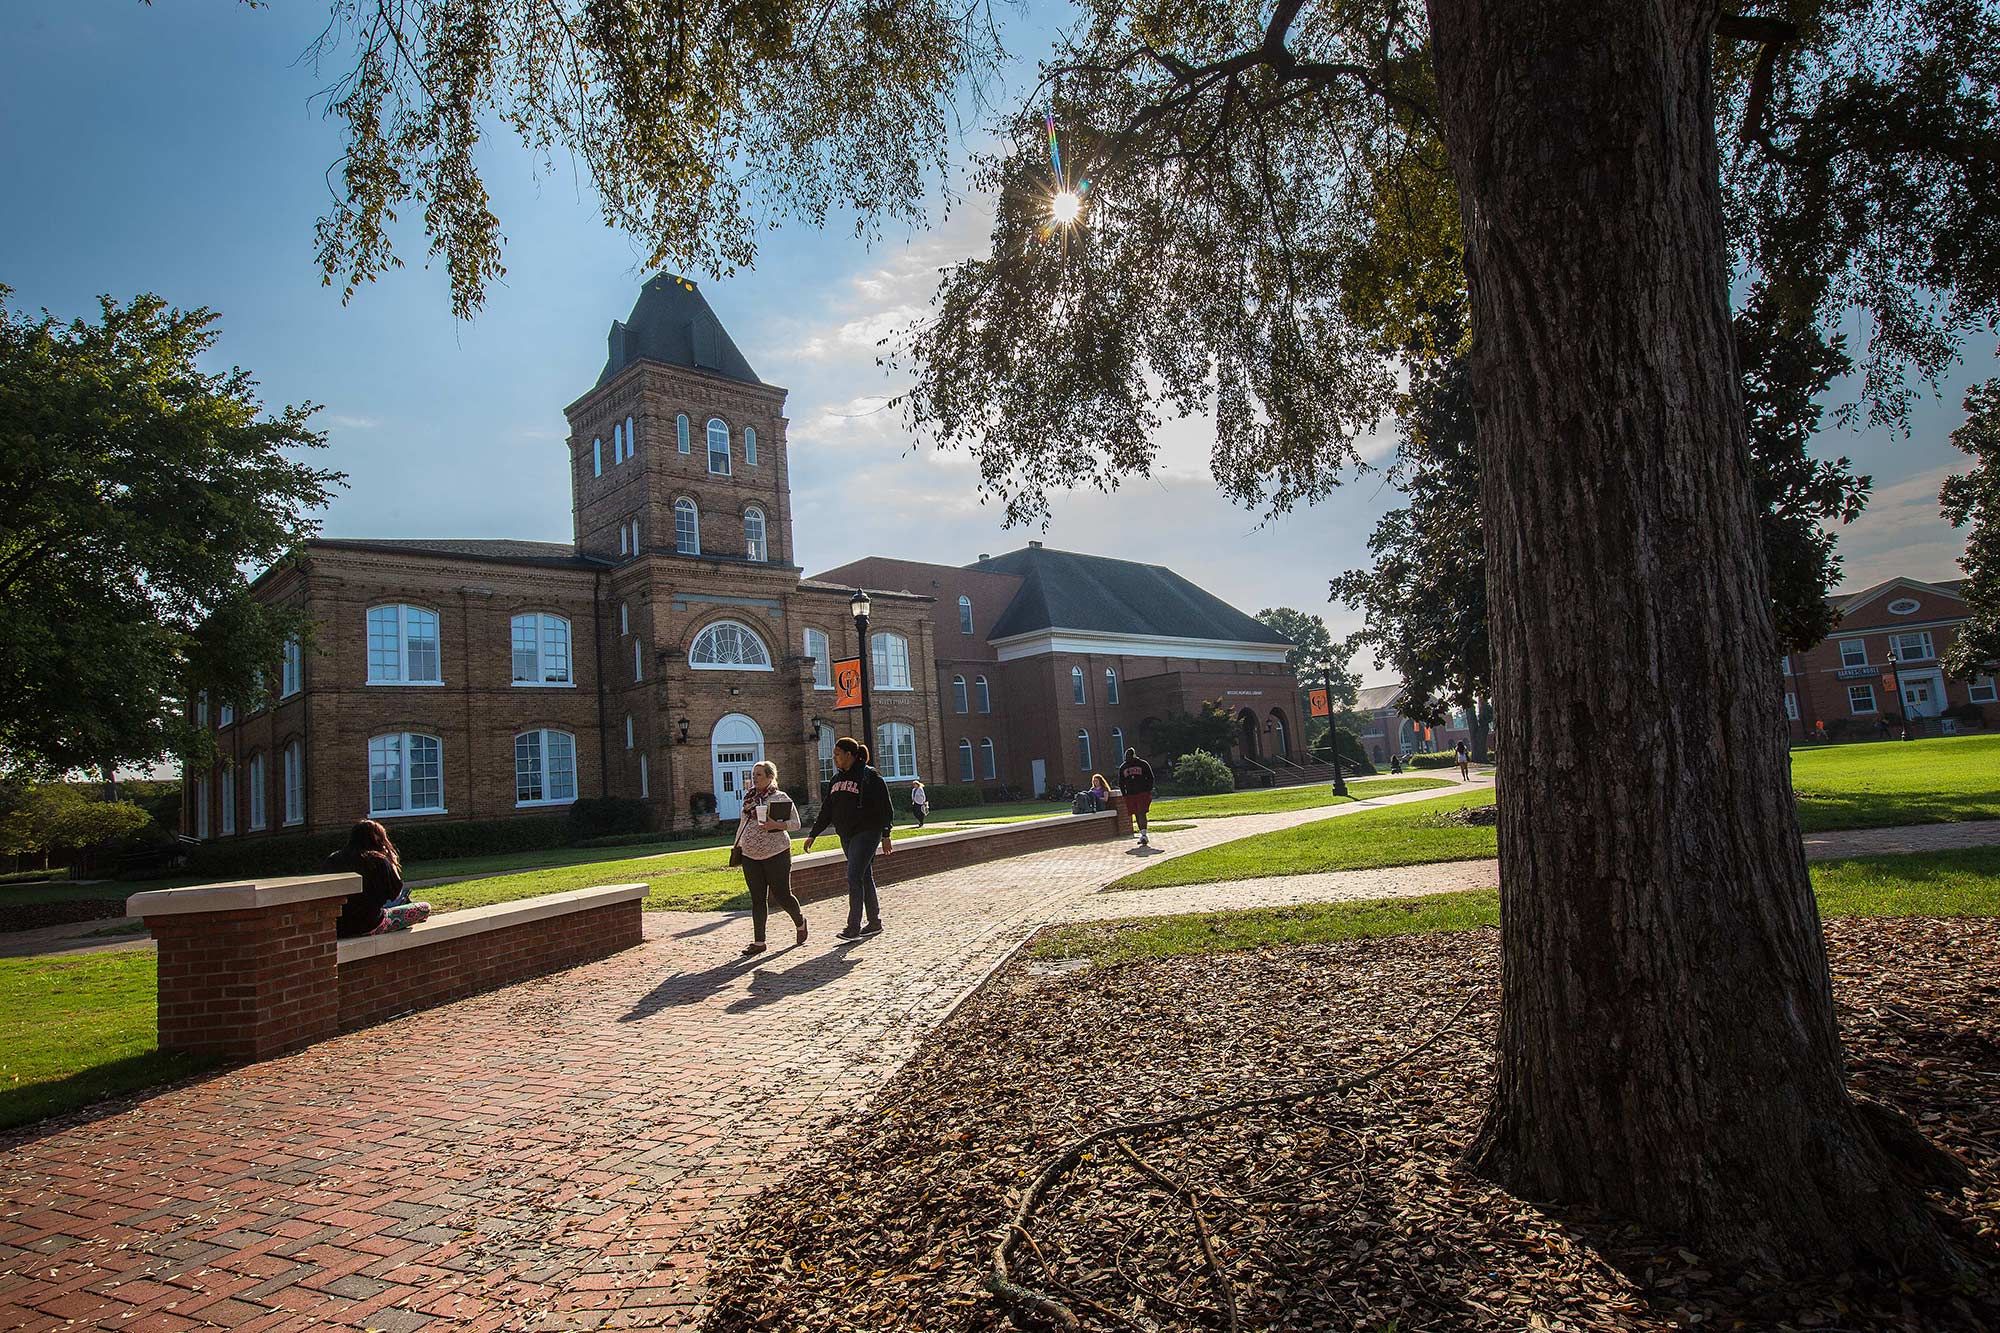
(1201, 774)
(943, 795)
(60, 816)
(607, 816)
(1168, 738)
(134, 490)
(1973, 499)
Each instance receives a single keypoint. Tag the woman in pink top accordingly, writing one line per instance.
(764, 842)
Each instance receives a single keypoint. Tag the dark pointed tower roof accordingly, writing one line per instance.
(672, 324)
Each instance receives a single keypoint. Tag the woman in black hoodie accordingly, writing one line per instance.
(858, 808)
(381, 904)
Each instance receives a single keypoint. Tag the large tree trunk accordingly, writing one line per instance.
(1667, 1043)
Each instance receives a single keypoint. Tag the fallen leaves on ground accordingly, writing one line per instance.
(1346, 1213)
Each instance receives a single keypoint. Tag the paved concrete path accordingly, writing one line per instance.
(550, 1155)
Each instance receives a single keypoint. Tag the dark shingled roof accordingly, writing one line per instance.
(536, 553)
(1065, 590)
(672, 324)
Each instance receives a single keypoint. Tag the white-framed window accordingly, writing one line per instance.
(541, 649)
(1110, 685)
(1912, 647)
(729, 646)
(629, 737)
(405, 774)
(1860, 698)
(982, 694)
(964, 615)
(1083, 750)
(750, 445)
(718, 447)
(753, 533)
(544, 768)
(1792, 706)
(597, 457)
(201, 709)
(631, 437)
(989, 766)
(292, 674)
(1853, 652)
(634, 526)
(645, 780)
(896, 750)
(891, 654)
(253, 775)
(1117, 745)
(965, 769)
(295, 784)
(822, 656)
(681, 433)
(961, 701)
(624, 539)
(826, 765)
(225, 716)
(1981, 691)
(638, 667)
(624, 619)
(227, 786)
(1076, 686)
(403, 646)
(687, 527)
(201, 807)
(1785, 665)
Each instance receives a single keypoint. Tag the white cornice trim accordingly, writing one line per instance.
(1042, 642)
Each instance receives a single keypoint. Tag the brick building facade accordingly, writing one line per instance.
(673, 642)
(1885, 660)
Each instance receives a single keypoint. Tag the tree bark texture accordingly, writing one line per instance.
(1667, 1045)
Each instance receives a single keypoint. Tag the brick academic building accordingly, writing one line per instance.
(675, 642)
(1884, 661)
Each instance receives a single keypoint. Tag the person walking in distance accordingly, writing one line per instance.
(764, 850)
(858, 807)
(920, 800)
(1464, 757)
(1135, 780)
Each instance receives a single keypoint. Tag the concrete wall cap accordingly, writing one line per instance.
(239, 895)
(480, 920)
(995, 831)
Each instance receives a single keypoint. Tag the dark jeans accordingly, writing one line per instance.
(770, 881)
(860, 852)
(920, 811)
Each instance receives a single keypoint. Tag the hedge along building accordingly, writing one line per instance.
(657, 656)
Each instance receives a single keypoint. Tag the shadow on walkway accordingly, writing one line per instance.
(691, 987)
(767, 987)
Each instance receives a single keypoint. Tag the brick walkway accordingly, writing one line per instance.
(554, 1155)
(551, 1155)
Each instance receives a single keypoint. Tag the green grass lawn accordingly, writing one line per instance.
(78, 1029)
(1897, 782)
(1398, 836)
(1956, 883)
(1285, 798)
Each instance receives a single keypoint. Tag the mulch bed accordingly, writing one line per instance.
(1345, 1213)
(33, 916)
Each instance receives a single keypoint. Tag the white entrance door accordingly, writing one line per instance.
(1041, 778)
(1923, 696)
(734, 746)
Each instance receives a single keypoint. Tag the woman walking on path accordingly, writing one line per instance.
(381, 905)
(920, 800)
(764, 849)
(857, 805)
(1464, 757)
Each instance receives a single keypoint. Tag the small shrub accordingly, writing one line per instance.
(608, 816)
(302, 854)
(944, 796)
(1202, 774)
(1434, 759)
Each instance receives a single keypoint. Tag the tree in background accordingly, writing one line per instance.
(58, 816)
(1167, 739)
(1317, 659)
(134, 490)
(1974, 498)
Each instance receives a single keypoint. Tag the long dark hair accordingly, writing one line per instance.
(858, 749)
(369, 836)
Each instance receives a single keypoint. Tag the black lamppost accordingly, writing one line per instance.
(1332, 735)
(858, 604)
(1902, 707)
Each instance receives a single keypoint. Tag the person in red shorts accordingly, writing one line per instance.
(1135, 780)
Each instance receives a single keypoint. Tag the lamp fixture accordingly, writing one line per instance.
(682, 723)
(857, 605)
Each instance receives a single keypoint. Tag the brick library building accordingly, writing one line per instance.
(676, 641)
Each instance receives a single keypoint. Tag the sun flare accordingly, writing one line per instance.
(1065, 208)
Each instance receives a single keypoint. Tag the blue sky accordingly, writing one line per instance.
(176, 149)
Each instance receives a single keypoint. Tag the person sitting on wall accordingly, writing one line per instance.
(1099, 794)
(381, 905)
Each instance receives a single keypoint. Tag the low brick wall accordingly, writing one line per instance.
(823, 875)
(464, 953)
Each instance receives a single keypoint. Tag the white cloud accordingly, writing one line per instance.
(352, 423)
(1901, 533)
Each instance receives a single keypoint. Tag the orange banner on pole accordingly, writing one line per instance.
(847, 683)
(1317, 698)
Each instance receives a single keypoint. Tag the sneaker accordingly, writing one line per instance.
(849, 935)
(872, 928)
(1143, 842)
(754, 947)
